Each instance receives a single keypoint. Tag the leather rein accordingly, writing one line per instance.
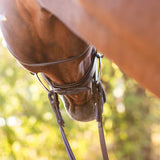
(92, 75)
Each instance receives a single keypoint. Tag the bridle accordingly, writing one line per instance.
(92, 75)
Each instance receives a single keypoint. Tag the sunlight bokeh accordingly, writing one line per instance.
(28, 128)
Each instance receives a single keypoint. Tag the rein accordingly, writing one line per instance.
(92, 75)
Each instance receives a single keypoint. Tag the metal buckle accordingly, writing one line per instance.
(99, 69)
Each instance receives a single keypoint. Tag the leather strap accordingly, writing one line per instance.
(53, 98)
(101, 100)
(99, 94)
(44, 64)
(102, 141)
(75, 87)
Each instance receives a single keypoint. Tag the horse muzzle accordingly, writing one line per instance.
(86, 111)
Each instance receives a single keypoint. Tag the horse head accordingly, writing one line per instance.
(35, 36)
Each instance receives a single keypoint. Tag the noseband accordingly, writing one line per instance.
(92, 75)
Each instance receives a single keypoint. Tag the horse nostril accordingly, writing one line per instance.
(85, 112)
(80, 112)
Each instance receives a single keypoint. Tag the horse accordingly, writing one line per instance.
(43, 44)
(43, 35)
(125, 32)
(43, 38)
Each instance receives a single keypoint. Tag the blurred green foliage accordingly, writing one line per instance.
(28, 129)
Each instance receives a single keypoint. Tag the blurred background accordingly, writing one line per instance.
(28, 128)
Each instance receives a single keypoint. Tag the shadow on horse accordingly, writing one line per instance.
(37, 35)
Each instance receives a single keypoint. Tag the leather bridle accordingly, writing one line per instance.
(92, 75)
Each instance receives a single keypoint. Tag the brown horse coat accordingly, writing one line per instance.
(34, 35)
(127, 32)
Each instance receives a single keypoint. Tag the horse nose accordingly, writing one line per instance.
(83, 112)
